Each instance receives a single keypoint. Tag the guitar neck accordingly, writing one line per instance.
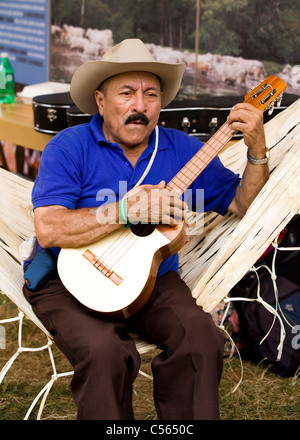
(186, 176)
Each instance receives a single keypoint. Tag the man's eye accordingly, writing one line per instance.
(151, 95)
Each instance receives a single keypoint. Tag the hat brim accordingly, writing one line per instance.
(90, 75)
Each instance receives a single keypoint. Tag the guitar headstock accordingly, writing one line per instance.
(266, 94)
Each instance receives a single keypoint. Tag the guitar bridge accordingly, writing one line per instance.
(102, 267)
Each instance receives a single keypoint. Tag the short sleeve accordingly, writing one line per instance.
(59, 178)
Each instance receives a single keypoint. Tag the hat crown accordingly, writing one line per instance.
(131, 50)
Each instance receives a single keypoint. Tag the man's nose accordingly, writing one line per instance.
(139, 104)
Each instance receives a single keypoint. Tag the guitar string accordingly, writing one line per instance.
(138, 183)
(131, 242)
(119, 243)
(190, 174)
(109, 254)
(132, 239)
(228, 135)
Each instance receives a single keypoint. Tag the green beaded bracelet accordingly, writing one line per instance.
(122, 212)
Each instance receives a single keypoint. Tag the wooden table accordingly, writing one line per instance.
(16, 126)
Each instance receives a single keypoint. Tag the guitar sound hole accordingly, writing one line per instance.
(142, 230)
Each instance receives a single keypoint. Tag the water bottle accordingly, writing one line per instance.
(2, 78)
(7, 82)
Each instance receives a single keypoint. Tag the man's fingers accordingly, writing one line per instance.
(155, 204)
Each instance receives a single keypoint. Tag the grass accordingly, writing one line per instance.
(260, 396)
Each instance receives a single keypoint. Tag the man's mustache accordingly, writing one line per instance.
(137, 117)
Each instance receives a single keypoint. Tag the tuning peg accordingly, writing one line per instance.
(270, 109)
(279, 99)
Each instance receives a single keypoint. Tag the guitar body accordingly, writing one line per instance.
(128, 268)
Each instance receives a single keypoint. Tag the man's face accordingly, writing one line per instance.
(130, 105)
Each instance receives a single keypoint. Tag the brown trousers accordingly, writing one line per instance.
(105, 360)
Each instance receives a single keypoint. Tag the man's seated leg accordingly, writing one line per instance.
(104, 357)
(188, 370)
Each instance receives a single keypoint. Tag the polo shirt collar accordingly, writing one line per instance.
(96, 127)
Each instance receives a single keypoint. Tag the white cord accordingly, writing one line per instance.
(151, 160)
(94, 211)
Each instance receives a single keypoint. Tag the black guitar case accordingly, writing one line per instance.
(50, 112)
(200, 118)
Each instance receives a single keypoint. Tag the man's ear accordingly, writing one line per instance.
(99, 97)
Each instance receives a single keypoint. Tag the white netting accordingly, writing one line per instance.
(275, 311)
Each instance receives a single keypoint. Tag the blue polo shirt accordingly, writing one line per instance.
(80, 168)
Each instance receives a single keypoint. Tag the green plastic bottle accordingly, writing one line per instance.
(7, 93)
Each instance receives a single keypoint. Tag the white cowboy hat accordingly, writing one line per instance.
(130, 55)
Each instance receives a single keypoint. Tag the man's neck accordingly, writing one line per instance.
(133, 153)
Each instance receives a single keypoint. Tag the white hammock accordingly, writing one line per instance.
(214, 262)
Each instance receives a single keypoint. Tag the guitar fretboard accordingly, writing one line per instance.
(185, 177)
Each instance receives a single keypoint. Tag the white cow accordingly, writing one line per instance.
(103, 38)
(72, 31)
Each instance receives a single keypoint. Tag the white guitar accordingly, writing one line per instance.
(115, 276)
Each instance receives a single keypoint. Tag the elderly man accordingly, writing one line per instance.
(125, 92)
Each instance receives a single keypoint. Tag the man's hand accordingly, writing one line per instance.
(154, 204)
(249, 120)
